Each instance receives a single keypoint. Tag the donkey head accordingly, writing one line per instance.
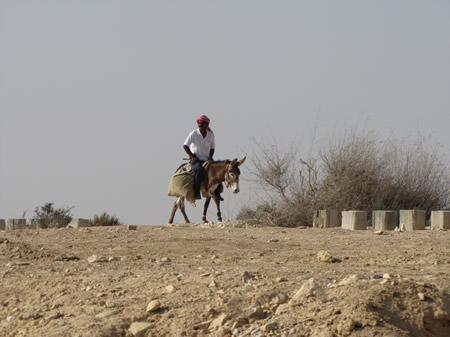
(232, 174)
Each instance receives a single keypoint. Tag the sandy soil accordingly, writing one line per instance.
(229, 281)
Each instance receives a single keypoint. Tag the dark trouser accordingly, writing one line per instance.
(197, 167)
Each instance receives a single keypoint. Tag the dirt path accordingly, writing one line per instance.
(224, 282)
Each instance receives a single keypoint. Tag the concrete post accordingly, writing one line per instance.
(33, 224)
(384, 220)
(354, 220)
(16, 224)
(78, 222)
(2, 225)
(440, 219)
(325, 219)
(413, 219)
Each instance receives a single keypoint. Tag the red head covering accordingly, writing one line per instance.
(204, 118)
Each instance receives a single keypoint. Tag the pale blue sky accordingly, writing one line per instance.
(97, 96)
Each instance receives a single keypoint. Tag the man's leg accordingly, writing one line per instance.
(197, 168)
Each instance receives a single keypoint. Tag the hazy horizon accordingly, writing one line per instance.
(97, 97)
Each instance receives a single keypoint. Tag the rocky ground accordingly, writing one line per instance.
(227, 280)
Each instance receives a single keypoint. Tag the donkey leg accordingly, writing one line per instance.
(217, 201)
(183, 211)
(205, 208)
(174, 210)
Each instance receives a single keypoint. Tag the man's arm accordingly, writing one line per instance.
(211, 154)
(190, 154)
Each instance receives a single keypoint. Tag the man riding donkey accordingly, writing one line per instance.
(202, 173)
(199, 146)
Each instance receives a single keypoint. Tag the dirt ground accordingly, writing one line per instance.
(223, 280)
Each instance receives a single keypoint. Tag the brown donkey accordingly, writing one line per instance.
(214, 174)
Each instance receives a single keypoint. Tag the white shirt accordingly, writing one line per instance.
(200, 146)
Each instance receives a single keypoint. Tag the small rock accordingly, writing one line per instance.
(213, 284)
(247, 276)
(71, 258)
(97, 258)
(153, 306)
(282, 309)
(55, 316)
(218, 322)
(223, 332)
(309, 288)
(108, 313)
(170, 289)
(10, 318)
(421, 296)
(239, 323)
(351, 279)
(23, 263)
(202, 325)
(273, 240)
(114, 258)
(387, 276)
(324, 256)
(280, 299)
(380, 232)
(138, 329)
(272, 326)
(31, 316)
(256, 312)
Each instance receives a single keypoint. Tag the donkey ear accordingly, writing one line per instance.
(240, 162)
(233, 162)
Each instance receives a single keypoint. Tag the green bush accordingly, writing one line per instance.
(49, 217)
(104, 220)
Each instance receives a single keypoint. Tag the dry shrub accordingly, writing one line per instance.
(354, 171)
(104, 219)
(47, 216)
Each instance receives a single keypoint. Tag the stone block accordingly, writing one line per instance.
(325, 219)
(2, 224)
(440, 219)
(16, 224)
(33, 224)
(78, 222)
(384, 220)
(413, 219)
(354, 220)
